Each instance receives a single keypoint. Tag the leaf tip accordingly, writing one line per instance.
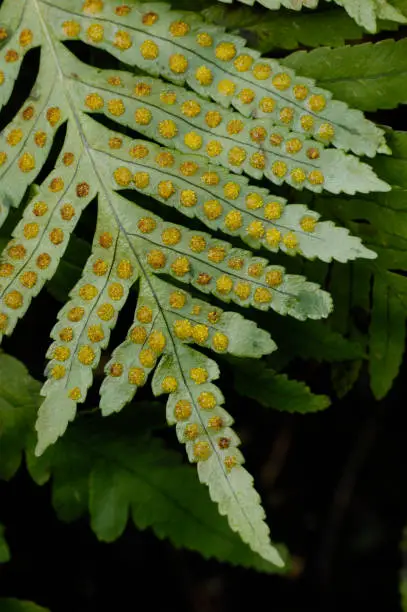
(53, 418)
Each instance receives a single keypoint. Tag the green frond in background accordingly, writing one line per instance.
(380, 222)
(283, 127)
(370, 76)
(364, 12)
(16, 605)
(4, 549)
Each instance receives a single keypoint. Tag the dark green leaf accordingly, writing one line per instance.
(267, 30)
(121, 472)
(19, 400)
(387, 331)
(344, 375)
(4, 549)
(276, 390)
(381, 220)
(368, 76)
(16, 605)
(313, 340)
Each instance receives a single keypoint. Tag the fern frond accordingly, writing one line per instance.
(176, 118)
(13, 142)
(131, 244)
(275, 390)
(222, 200)
(367, 12)
(112, 468)
(364, 12)
(18, 605)
(183, 49)
(269, 30)
(371, 76)
(4, 549)
(19, 394)
(380, 220)
(274, 5)
(183, 321)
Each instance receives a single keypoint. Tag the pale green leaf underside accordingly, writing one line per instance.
(132, 244)
(251, 208)
(367, 12)
(237, 152)
(286, 157)
(352, 130)
(123, 258)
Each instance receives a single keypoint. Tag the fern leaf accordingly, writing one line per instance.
(18, 605)
(370, 76)
(195, 404)
(275, 390)
(115, 470)
(191, 124)
(18, 406)
(183, 49)
(344, 376)
(11, 17)
(381, 222)
(70, 269)
(387, 332)
(29, 135)
(40, 239)
(223, 201)
(89, 462)
(131, 244)
(274, 5)
(4, 549)
(188, 318)
(367, 12)
(364, 12)
(319, 341)
(268, 31)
